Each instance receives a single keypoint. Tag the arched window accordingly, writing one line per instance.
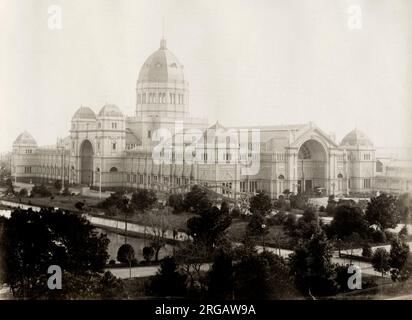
(281, 177)
(113, 169)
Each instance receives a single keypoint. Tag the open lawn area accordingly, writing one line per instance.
(59, 201)
(276, 236)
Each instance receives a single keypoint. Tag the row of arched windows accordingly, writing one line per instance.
(160, 97)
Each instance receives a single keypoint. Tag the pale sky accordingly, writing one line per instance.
(247, 61)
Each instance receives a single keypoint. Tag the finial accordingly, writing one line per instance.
(163, 44)
(163, 40)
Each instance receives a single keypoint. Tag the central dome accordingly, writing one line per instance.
(161, 66)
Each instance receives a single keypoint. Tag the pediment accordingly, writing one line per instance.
(314, 133)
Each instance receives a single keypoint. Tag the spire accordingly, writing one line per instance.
(163, 40)
(162, 44)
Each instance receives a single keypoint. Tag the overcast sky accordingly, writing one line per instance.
(247, 62)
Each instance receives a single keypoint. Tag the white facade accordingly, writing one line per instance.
(129, 152)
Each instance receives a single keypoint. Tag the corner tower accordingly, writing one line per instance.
(161, 88)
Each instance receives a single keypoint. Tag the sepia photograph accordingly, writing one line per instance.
(228, 151)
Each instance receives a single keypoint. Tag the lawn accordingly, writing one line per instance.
(276, 236)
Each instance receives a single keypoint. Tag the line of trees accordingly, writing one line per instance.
(31, 241)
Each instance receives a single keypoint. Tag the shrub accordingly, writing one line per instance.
(148, 253)
(66, 191)
(176, 202)
(235, 212)
(367, 251)
(79, 205)
(125, 254)
(298, 201)
(280, 218)
(390, 236)
(58, 184)
(168, 281)
(378, 236)
(40, 191)
(143, 199)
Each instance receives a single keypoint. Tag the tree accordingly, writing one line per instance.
(117, 200)
(291, 223)
(262, 276)
(36, 240)
(367, 251)
(143, 199)
(111, 287)
(260, 203)
(176, 202)
(23, 192)
(299, 201)
(209, 226)
(403, 233)
(280, 279)
(58, 185)
(331, 206)
(126, 255)
(224, 208)
(257, 226)
(197, 200)
(403, 203)
(307, 225)
(10, 188)
(66, 191)
(3, 242)
(221, 276)
(79, 205)
(400, 260)
(312, 267)
(342, 277)
(348, 220)
(191, 256)
(381, 261)
(148, 253)
(382, 211)
(168, 281)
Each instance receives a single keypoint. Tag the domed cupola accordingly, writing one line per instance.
(24, 144)
(161, 87)
(84, 113)
(110, 111)
(25, 139)
(356, 138)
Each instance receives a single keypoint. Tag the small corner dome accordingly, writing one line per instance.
(356, 138)
(25, 139)
(84, 113)
(110, 110)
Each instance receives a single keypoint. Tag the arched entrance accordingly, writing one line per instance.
(312, 167)
(86, 163)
